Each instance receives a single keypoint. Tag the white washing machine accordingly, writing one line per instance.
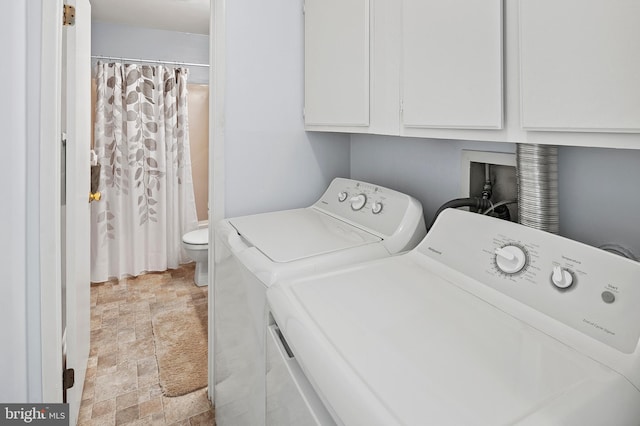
(486, 322)
(352, 222)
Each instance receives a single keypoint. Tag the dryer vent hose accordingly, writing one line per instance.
(537, 176)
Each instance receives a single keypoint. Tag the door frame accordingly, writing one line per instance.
(50, 303)
(217, 85)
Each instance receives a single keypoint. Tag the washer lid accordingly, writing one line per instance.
(411, 348)
(289, 235)
(199, 236)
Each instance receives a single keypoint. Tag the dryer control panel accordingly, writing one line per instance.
(591, 290)
(389, 214)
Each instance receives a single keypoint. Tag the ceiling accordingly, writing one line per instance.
(189, 16)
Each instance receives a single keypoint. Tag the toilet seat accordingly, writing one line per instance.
(199, 237)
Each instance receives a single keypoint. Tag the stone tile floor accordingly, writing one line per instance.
(121, 385)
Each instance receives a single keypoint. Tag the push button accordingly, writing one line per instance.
(608, 297)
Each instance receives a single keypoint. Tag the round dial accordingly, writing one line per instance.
(561, 278)
(358, 201)
(376, 207)
(342, 196)
(511, 259)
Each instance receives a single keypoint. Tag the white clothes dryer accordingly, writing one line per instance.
(352, 222)
(486, 322)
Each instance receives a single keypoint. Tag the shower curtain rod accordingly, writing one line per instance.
(148, 61)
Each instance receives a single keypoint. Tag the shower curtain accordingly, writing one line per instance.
(142, 142)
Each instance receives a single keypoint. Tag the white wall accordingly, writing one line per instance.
(600, 196)
(110, 39)
(270, 162)
(599, 199)
(21, 378)
(13, 223)
(428, 169)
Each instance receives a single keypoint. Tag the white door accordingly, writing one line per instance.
(76, 123)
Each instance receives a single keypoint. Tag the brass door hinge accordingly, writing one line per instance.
(68, 15)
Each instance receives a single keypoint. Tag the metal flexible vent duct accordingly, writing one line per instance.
(537, 175)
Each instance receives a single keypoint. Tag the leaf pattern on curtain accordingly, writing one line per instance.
(141, 137)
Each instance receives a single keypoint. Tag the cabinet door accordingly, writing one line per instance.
(452, 63)
(336, 62)
(580, 65)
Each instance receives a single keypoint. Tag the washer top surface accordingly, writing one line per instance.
(290, 235)
(411, 348)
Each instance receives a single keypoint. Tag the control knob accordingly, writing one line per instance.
(561, 278)
(376, 207)
(342, 196)
(510, 259)
(358, 201)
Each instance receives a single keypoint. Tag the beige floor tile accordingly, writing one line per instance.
(137, 349)
(180, 423)
(107, 361)
(150, 407)
(88, 390)
(111, 313)
(127, 400)
(85, 413)
(143, 394)
(103, 408)
(202, 419)
(121, 385)
(143, 331)
(126, 335)
(186, 406)
(147, 380)
(126, 321)
(148, 366)
(107, 347)
(146, 421)
(123, 380)
(158, 419)
(90, 373)
(96, 323)
(107, 420)
(127, 415)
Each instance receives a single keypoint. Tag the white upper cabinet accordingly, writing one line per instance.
(452, 64)
(580, 65)
(336, 62)
(559, 72)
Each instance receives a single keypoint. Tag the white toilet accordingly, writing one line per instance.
(196, 243)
